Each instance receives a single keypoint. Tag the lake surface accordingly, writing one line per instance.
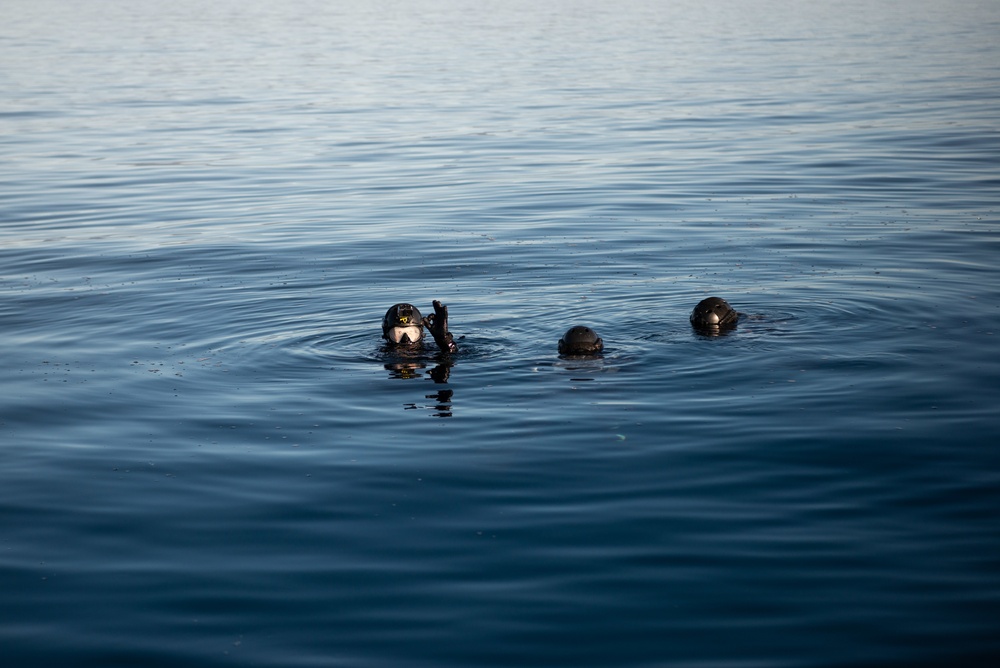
(209, 459)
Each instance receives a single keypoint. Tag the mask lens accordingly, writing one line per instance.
(412, 332)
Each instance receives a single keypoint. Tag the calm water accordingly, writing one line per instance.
(209, 460)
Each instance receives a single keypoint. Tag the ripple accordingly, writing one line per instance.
(204, 221)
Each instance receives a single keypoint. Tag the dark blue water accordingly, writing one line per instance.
(209, 460)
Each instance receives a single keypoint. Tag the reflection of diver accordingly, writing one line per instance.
(406, 369)
(442, 405)
(714, 316)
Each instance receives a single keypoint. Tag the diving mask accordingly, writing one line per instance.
(402, 325)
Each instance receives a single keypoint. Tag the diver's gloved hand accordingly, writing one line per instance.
(438, 326)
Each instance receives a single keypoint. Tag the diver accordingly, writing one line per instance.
(714, 315)
(711, 317)
(580, 340)
(403, 326)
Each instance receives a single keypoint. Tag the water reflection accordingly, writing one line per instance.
(405, 370)
(439, 373)
(443, 405)
(583, 359)
(713, 331)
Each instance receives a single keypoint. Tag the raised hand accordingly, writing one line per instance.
(437, 324)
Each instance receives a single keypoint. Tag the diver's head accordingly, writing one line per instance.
(402, 325)
(580, 340)
(713, 313)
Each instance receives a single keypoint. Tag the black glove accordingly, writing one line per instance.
(437, 324)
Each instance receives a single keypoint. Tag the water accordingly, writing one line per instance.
(209, 460)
